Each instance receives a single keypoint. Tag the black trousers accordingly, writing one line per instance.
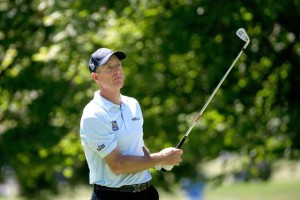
(148, 194)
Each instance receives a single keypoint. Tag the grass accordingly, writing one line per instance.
(285, 185)
(274, 190)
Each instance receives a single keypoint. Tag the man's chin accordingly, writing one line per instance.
(119, 85)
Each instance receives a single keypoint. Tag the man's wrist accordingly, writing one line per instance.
(156, 158)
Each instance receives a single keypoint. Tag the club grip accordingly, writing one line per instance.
(178, 147)
(181, 142)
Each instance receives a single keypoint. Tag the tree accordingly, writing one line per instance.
(177, 53)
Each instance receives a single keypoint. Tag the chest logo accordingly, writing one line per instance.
(135, 118)
(114, 126)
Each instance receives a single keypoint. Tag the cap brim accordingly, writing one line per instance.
(120, 55)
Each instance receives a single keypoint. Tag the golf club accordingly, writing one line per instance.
(242, 34)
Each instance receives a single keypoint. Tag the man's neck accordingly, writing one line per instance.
(112, 96)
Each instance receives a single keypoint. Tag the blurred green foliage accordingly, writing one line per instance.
(177, 50)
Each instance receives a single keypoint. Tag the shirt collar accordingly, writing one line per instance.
(106, 104)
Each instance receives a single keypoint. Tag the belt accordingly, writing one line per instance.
(125, 188)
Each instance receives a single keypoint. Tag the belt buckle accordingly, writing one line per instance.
(136, 188)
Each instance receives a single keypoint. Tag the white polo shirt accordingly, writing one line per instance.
(105, 126)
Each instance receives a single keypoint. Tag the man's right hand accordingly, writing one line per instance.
(170, 156)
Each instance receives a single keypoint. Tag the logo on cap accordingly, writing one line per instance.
(92, 66)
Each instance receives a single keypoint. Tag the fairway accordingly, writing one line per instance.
(275, 190)
(284, 185)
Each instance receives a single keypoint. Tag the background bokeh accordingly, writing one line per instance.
(177, 51)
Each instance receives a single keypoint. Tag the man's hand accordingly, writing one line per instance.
(170, 156)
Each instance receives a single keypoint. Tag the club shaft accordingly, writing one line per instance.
(212, 95)
(209, 99)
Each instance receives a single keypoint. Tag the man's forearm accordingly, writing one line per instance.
(132, 164)
(124, 164)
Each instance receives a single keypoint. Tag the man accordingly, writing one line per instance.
(111, 131)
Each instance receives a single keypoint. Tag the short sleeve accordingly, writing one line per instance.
(97, 136)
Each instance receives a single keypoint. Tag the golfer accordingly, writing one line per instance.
(111, 131)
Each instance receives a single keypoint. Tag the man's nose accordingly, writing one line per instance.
(117, 70)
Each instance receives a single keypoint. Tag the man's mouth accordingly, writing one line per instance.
(118, 78)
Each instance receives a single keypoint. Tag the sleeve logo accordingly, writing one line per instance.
(100, 147)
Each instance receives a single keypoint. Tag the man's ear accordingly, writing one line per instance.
(95, 76)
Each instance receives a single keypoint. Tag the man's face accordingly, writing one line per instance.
(110, 75)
